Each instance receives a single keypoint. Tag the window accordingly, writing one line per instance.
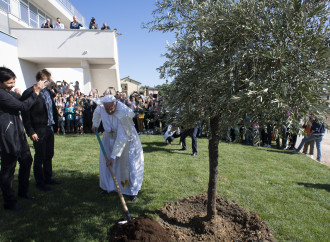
(41, 17)
(33, 16)
(24, 12)
(4, 4)
(41, 20)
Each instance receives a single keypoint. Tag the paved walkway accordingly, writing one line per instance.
(325, 148)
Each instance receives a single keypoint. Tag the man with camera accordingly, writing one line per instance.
(93, 24)
(39, 124)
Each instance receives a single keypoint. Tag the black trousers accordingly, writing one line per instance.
(44, 152)
(267, 137)
(192, 133)
(69, 126)
(8, 164)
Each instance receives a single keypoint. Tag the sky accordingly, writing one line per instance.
(140, 51)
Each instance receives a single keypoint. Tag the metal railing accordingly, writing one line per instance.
(68, 5)
(21, 11)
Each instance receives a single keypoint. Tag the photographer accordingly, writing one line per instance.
(93, 25)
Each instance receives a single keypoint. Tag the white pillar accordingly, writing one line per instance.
(87, 77)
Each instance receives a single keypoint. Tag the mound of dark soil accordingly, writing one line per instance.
(143, 228)
(185, 221)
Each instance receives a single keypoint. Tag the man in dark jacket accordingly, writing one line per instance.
(13, 143)
(39, 124)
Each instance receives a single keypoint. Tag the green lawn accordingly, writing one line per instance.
(289, 191)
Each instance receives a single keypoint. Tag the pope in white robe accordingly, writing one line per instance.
(122, 145)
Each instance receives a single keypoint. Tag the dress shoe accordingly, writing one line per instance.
(104, 192)
(13, 207)
(53, 182)
(26, 195)
(44, 188)
(194, 154)
(132, 198)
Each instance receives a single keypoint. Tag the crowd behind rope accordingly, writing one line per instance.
(75, 109)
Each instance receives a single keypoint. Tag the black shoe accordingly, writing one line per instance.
(104, 192)
(182, 149)
(13, 207)
(194, 154)
(27, 195)
(53, 182)
(44, 188)
(132, 198)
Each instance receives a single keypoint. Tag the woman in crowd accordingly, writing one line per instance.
(69, 117)
(140, 115)
(61, 120)
(79, 119)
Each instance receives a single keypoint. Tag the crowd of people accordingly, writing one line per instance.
(75, 109)
(36, 113)
(47, 105)
(75, 24)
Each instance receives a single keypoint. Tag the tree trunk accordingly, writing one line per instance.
(213, 166)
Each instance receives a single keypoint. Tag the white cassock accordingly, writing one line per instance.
(121, 142)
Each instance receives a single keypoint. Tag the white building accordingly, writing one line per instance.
(87, 56)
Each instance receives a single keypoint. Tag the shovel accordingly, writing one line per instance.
(128, 216)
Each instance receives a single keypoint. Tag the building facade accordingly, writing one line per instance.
(87, 56)
(129, 86)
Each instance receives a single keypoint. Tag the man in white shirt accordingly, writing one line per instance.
(58, 24)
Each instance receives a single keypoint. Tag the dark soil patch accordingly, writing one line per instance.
(143, 228)
(185, 221)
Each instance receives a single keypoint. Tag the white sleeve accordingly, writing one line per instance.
(120, 142)
(97, 117)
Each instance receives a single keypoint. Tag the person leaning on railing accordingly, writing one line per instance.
(93, 24)
(47, 25)
(75, 24)
(58, 24)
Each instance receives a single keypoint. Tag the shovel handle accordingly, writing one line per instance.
(114, 179)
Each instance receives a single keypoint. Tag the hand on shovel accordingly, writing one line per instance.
(110, 162)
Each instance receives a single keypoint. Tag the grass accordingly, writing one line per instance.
(289, 191)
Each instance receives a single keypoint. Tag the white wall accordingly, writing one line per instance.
(69, 75)
(68, 47)
(24, 70)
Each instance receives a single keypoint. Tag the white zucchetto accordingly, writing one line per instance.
(108, 99)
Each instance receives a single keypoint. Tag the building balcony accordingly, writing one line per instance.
(66, 48)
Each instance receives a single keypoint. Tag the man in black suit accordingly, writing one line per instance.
(39, 124)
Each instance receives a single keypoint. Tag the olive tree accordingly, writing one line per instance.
(267, 57)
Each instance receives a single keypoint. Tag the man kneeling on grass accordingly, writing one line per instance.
(122, 145)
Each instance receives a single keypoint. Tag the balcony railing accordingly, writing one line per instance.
(31, 15)
(67, 4)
